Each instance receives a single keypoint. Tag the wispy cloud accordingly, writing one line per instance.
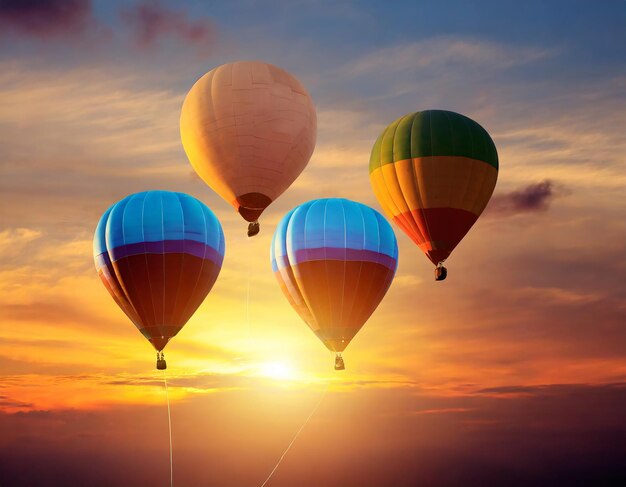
(151, 21)
(65, 136)
(12, 240)
(446, 52)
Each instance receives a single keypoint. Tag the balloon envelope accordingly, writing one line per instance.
(334, 260)
(433, 172)
(159, 253)
(248, 129)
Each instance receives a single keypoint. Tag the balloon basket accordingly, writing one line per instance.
(339, 365)
(440, 273)
(161, 364)
(253, 229)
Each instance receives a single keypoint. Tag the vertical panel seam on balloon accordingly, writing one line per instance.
(350, 317)
(474, 158)
(413, 183)
(328, 293)
(145, 256)
(389, 193)
(114, 278)
(290, 275)
(345, 246)
(301, 287)
(141, 325)
(429, 237)
(182, 262)
(163, 260)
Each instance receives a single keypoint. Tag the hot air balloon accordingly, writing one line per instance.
(158, 253)
(334, 260)
(433, 173)
(249, 130)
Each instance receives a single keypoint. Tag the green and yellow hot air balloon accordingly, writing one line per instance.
(433, 172)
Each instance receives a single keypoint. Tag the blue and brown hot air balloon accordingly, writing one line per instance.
(249, 130)
(433, 172)
(334, 260)
(159, 253)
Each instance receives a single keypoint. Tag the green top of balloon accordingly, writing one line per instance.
(433, 133)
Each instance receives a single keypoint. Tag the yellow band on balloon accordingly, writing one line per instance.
(434, 182)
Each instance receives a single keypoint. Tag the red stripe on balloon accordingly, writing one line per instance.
(442, 228)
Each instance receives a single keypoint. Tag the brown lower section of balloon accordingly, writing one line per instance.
(117, 293)
(297, 303)
(437, 231)
(251, 205)
(165, 290)
(341, 295)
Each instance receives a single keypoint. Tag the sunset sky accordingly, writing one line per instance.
(511, 372)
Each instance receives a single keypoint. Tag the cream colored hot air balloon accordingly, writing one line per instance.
(248, 129)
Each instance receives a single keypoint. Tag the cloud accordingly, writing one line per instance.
(45, 19)
(100, 134)
(7, 403)
(151, 22)
(535, 197)
(13, 239)
(553, 390)
(443, 411)
(65, 313)
(445, 51)
(198, 382)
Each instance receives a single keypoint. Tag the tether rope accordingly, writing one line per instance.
(295, 438)
(169, 423)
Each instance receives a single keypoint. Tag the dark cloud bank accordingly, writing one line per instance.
(148, 22)
(45, 19)
(535, 197)
(562, 435)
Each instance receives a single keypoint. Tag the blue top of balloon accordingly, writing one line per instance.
(155, 221)
(333, 228)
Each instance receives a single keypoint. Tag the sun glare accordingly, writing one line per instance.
(277, 370)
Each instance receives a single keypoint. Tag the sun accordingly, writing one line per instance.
(277, 370)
